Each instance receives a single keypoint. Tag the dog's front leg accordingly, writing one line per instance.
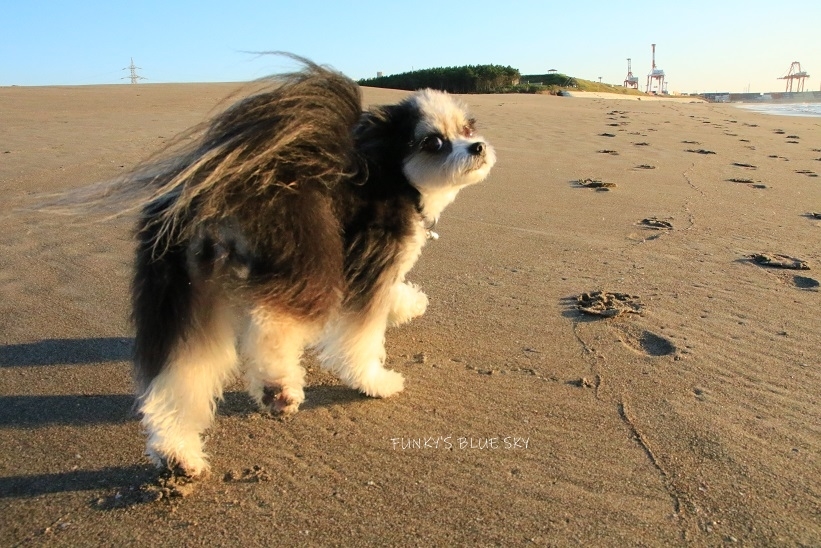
(353, 348)
(407, 302)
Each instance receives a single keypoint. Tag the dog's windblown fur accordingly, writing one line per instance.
(290, 224)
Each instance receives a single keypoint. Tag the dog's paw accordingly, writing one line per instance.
(409, 302)
(192, 465)
(281, 401)
(383, 384)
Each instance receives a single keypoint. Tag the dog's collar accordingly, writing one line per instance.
(429, 225)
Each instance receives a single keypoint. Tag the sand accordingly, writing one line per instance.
(693, 418)
(625, 97)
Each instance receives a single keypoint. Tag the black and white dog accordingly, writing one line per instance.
(289, 224)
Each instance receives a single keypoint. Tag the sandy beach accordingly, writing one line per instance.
(692, 419)
(626, 97)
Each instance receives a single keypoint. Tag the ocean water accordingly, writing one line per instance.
(812, 110)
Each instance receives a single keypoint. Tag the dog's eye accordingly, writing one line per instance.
(432, 143)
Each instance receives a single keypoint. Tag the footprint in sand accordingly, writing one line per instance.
(642, 144)
(779, 261)
(750, 182)
(644, 342)
(805, 282)
(782, 264)
(645, 166)
(691, 142)
(700, 151)
(780, 131)
(656, 224)
(595, 184)
(611, 152)
(777, 157)
(606, 135)
(797, 281)
(806, 172)
(742, 164)
(608, 305)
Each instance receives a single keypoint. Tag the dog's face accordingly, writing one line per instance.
(445, 153)
(430, 138)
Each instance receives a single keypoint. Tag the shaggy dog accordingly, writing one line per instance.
(290, 223)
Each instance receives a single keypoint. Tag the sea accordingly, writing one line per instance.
(812, 110)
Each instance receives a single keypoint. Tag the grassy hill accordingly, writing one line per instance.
(555, 82)
(491, 79)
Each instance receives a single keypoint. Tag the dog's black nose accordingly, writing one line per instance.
(477, 149)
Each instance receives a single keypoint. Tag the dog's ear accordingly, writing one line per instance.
(384, 135)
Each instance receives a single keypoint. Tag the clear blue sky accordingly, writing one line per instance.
(724, 45)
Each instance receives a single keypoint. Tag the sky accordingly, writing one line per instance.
(724, 45)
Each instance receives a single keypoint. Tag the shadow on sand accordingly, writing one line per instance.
(67, 351)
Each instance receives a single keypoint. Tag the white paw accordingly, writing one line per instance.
(190, 463)
(283, 400)
(383, 383)
(288, 401)
(409, 302)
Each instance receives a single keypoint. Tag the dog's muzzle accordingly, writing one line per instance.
(477, 149)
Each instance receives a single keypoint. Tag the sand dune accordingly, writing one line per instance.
(695, 422)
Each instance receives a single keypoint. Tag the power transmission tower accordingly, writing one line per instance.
(134, 77)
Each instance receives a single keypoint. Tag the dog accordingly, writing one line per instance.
(289, 224)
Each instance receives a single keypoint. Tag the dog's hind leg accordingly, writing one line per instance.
(353, 348)
(272, 346)
(178, 404)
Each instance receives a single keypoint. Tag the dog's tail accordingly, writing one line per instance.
(292, 130)
(296, 134)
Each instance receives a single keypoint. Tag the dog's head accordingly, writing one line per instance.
(431, 139)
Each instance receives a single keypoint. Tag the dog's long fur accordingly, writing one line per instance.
(290, 224)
